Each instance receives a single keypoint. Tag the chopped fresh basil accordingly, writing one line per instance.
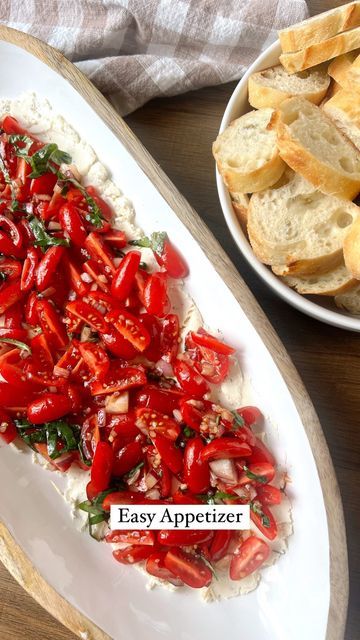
(94, 215)
(209, 565)
(130, 474)
(155, 242)
(43, 160)
(255, 476)
(51, 433)
(188, 433)
(21, 152)
(17, 343)
(238, 421)
(257, 509)
(210, 498)
(222, 495)
(42, 238)
(3, 275)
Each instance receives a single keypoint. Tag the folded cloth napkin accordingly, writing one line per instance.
(135, 50)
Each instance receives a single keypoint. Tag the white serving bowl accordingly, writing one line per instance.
(324, 308)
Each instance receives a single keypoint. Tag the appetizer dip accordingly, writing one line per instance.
(108, 372)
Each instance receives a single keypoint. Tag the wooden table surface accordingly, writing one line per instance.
(178, 132)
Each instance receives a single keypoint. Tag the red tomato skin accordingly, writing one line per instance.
(248, 557)
(31, 315)
(50, 406)
(11, 126)
(48, 266)
(101, 468)
(8, 431)
(72, 223)
(100, 252)
(29, 270)
(155, 566)
(155, 295)
(133, 554)
(152, 423)
(169, 341)
(170, 454)
(11, 268)
(205, 339)
(251, 415)
(260, 453)
(119, 378)
(269, 532)
(88, 314)
(196, 472)
(225, 448)
(43, 184)
(269, 495)
(172, 261)
(96, 358)
(162, 400)
(190, 380)
(220, 544)
(118, 345)
(192, 571)
(127, 458)
(184, 538)
(50, 323)
(130, 327)
(124, 276)
(134, 537)
(9, 295)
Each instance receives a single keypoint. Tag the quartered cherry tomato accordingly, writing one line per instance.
(263, 518)
(183, 538)
(72, 224)
(95, 358)
(102, 466)
(196, 471)
(153, 423)
(248, 557)
(132, 554)
(127, 458)
(8, 431)
(29, 270)
(124, 276)
(170, 454)
(155, 295)
(50, 323)
(168, 257)
(119, 378)
(49, 406)
(48, 267)
(130, 328)
(88, 314)
(190, 380)
(225, 448)
(220, 544)
(155, 566)
(188, 568)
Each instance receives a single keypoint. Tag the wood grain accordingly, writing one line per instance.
(178, 132)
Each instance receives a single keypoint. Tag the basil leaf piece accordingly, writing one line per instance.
(238, 421)
(42, 238)
(155, 242)
(17, 343)
(257, 509)
(132, 471)
(255, 476)
(94, 214)
(43, 160)
(21, 152)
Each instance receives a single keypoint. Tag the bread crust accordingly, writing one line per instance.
(339, 67)
(350, 300)
(240, 204)
(321, 175)
(352, 250)
(319, 28)
(321, 51)
(306, 286)
(261, 96)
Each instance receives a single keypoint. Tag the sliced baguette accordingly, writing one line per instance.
(318, 53)
(320, 27)
(269, 88)
(310, 144)
(350, 301)
(246, 153)
(240, 204)
(298, 230)
(352, 250)
(344, 109)
(339, 67)
(331, 283)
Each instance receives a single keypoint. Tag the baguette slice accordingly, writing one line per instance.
(311, 145)
(331, 283)
(350, 301)
(269, 88)
(344, 109)
(319, 28)
(352, 250)
(246, 153)
(318, 53)
(297, 229)
(240, 204)
(339, 68)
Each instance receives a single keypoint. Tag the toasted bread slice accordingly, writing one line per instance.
(350, 300)
(269, 88)
(339, 67)
(240, 204)
(246, 153)
(344, 109)
(318, 53)
(310, 144)
(321, 27)
(297, 229)
(331, 283)
(352, 250)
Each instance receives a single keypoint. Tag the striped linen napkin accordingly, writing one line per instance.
(135, 50)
